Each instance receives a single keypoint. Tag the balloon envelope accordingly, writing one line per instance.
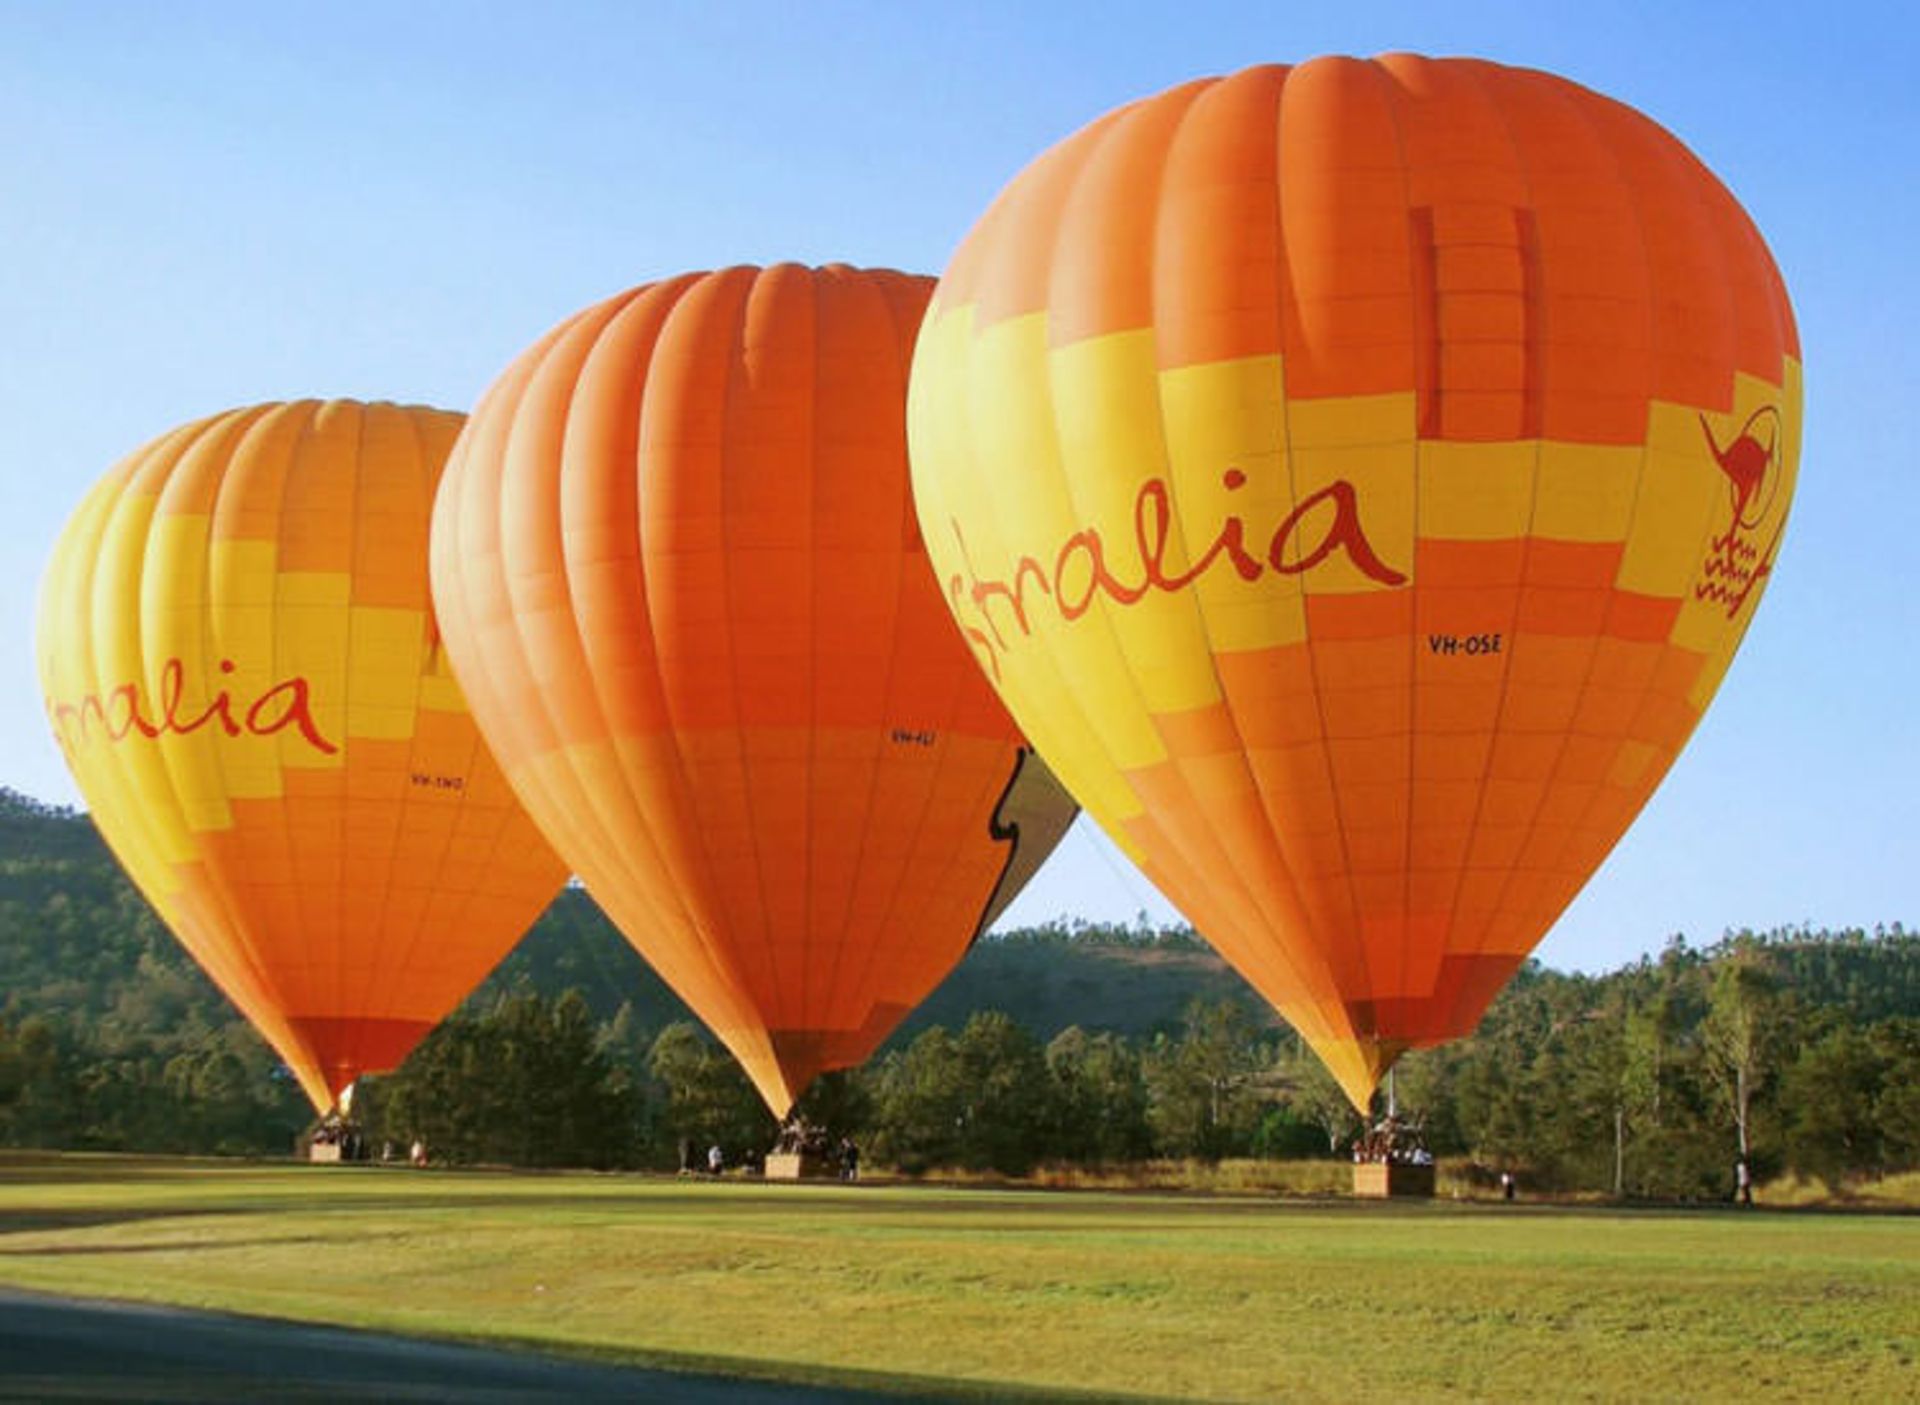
(1357, 478)
(682, 581)
(242, 669)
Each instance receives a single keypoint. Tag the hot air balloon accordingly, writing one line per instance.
(1356, 478)
(682, 582)
(242, 668)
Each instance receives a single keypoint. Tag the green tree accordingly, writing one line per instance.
(840, 1103)
(1318, 1100)
(1896, 1108)
(1199, 1086)
(707, 1099)
(1738, 1034)
(525, 1084)
(1008, 1107)
(1651, 1029)
(1573, 1083)
(1100, 1098)
(982, 1100)
(1832, 1088)
(921, 1104)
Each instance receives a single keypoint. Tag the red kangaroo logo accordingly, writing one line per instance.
(1748, 462)
(1735, 565)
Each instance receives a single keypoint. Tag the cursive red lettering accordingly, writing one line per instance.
(1086, 542)
(296, 713)
(76, 716)
(173, 685)
(1152, 537)
(120, 713)
(1325, 522)
(1343, 533)
(130, 718)
(983, 591)
(956, 594)
(173, 682)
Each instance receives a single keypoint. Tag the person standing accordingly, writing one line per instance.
(1742, 1183)
(716, 1162)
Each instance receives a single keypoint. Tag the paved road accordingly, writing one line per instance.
(66, 1349)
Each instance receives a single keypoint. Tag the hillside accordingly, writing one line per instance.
(77, 940)
(111, 1038)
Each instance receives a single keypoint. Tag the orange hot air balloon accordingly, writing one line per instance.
(241, 666)
(1357, 478)
(681, 579)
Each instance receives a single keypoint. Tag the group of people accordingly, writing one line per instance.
(798, 1137)
(812, 1143)
(1395, 1141)
(336, 1139)
(714, 1163)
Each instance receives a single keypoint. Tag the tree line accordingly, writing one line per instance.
(1073, 1043)
(1651, 1081)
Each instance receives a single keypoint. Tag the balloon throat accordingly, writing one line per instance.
(123, 712)
(1324, 522)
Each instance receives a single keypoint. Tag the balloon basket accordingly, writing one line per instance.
(1390, 1180)
(799, 1166)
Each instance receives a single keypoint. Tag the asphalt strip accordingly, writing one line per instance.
(67, 1349)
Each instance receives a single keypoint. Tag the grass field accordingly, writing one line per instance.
(1005, 1294)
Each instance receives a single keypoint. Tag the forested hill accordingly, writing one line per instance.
(111, 1038)
(78, 943)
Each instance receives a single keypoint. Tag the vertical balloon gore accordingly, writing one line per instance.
(1356, 478)
(242, 668)
(682, 582)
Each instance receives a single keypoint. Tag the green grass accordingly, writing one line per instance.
(1001, 1293)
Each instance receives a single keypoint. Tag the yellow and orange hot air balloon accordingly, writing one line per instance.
(681, 579)
(1357, 478)
(242, 668)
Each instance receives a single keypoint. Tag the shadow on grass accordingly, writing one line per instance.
(40, 1221)
(877, 1383)
(122, 1168)
(64, 1251)
(883, 1384)
(237, 1341)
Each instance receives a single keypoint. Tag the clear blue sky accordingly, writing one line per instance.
(204, 206)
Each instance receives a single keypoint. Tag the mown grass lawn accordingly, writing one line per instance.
(1005, 1292)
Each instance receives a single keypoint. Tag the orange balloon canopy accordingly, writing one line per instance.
(242, 669)
(1357, 478)
(681, 579)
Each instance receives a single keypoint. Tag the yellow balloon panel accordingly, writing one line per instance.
(242, 668)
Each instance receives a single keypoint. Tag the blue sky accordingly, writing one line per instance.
(204, 206)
